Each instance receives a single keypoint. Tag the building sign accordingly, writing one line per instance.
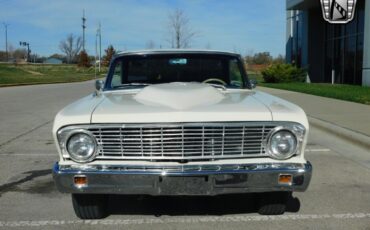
(338, 11)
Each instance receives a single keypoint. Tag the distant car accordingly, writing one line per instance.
(179, 122)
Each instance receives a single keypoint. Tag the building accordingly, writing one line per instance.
(338, 53)
(53, 61)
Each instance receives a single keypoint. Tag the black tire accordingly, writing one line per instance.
(273, 203)
(90, 206)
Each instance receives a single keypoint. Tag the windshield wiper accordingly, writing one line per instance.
(131, 84)
(217, 86)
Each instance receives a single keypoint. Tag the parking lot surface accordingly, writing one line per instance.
(338, 197)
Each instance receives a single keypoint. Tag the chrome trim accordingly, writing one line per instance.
(178, 180)
(155, 147)
(175, 51)
(268, 147)
(297, 130)
(179, 169)
(80, 160)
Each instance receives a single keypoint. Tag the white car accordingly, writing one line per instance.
(179, 122)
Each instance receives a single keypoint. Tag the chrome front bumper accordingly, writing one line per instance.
(182, 180)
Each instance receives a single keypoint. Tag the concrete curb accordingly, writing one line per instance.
(350, 135)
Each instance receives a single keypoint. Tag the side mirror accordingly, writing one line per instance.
(99, 85)
(253, 83)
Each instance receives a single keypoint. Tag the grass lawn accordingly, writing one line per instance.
(352, 93)
(18, 74)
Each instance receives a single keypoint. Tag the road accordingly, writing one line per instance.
(338, 197)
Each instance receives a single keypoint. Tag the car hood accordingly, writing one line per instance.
(190, 102)
(178, 102)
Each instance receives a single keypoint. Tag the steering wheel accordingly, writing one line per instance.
(215, 80)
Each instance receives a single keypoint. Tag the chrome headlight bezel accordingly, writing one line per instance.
(297, 130)
(64, 136)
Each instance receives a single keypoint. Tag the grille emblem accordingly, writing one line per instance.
(338, 11)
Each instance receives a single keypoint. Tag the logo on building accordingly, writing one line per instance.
(338, 11)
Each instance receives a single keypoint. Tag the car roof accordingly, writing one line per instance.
(176, 51)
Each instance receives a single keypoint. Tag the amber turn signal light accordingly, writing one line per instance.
(80, 181)
(285, 179)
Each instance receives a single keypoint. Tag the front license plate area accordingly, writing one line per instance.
(231, 181)
(184, 185)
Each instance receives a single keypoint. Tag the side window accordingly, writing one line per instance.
(236, 78)
(117, 75)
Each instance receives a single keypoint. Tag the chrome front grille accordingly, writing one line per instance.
(176, 142)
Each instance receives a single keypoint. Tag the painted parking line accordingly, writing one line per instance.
(317, 150)
(179, 220)
(29, 154)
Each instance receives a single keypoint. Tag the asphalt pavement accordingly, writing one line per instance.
(338, 197)
(346, 119)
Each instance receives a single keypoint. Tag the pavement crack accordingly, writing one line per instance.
(32, 175)
(25, 133)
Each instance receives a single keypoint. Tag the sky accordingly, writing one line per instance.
(243, 26)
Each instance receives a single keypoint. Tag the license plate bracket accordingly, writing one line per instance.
(183, 185)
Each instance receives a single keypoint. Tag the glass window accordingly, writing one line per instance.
(338, 60)
(156, 69)
(337, 30)
(236, 78)
(359, 58)
(344, 49)
(351, 27)
(329, 31)
(328, 61)
(349, 60)
(297, 40)
(116, 78)
(360, 17)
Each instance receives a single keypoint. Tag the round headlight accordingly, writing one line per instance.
(282, 144)
(81, 147)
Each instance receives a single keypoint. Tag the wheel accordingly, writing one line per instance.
(273, 203)
(90, 206)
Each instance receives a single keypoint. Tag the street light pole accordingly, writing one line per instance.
(99, 46)
(96, 50)
(83, 29)
(28, 49)
(6, 41)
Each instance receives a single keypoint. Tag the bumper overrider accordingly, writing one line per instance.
(183, 179)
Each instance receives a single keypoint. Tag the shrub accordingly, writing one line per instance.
(280, 73)
(83, 59)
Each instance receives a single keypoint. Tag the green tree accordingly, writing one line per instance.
(279, 59)
(109, 53)
(83, 59)
(262, 58)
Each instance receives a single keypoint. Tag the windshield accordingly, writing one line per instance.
(140, 71)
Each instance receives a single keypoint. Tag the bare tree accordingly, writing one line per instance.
(180, 32)
(150, 45)
(19, 53)
(71, 46)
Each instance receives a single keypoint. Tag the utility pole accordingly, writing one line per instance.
(28, 49)
(6, 40)
(96, 49)
(99, 35)
(83, 29)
